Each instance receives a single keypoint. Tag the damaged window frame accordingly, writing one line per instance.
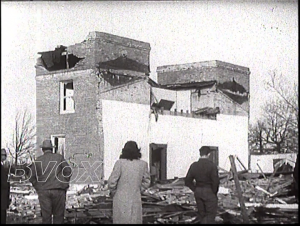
(65, 98)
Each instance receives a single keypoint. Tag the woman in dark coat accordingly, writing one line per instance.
(129, 178)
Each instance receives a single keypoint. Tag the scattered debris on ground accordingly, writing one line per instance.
(268, 200)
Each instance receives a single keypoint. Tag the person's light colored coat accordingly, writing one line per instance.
(126, 183)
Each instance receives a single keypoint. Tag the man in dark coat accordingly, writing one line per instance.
(5, 187)
(203, 179)
(50, 177)
(296, 178)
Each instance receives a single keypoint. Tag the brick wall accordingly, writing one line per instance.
(80, 128)
(204, 100)
(227, 106)
(219, 74)
(134, 92)
(110, 47)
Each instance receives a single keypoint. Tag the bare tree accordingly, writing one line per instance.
(23, 138)
(278, 120)
(258, 135)
(288, 94)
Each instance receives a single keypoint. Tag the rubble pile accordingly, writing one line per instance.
(169, 203)
(24, 206)
(267, 200)
(89, 205)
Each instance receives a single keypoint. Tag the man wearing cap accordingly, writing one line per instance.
(203, 179)
(50, 178)
(5, 187)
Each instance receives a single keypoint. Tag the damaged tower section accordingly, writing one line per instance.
(72, 81)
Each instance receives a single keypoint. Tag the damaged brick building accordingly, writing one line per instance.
(95, 95)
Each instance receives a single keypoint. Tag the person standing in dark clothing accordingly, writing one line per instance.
(203, 179)
(296, 178)
(50, 177)
(5, 187)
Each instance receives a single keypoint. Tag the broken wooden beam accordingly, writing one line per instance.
(241, 162)
(23, 192)
(239, 191)
(293, 206)
(268, 193)
(261, 171)
(271, 177)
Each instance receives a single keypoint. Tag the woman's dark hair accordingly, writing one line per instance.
(131, 151)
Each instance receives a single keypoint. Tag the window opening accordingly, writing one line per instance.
(67, 97)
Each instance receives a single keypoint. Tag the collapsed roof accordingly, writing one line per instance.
(123, 62)
(58, 59)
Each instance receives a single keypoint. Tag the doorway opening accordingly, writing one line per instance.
(214, 155)
(158, 162)
(59, 142)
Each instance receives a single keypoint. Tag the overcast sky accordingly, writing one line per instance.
(262, 36)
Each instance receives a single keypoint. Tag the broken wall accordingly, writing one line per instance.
(228, 106)
(183, 135)
(100, 47)
(232, 79)
(181, 98)
(110, 47)
(189, 100)
(203, 71)
(204, 98)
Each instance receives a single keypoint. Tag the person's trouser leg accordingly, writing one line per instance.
(296, 191)
(211, 206)
(45, 200)
(3, 216)
(200, 203)
(58, 206)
